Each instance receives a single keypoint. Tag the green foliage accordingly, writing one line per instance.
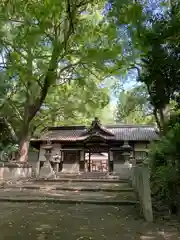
(8, 141)
(165, 185)
(160, 73)
(49, 44)
(153, 38)
(165, 167)
(4, 134)
(7, 151)
(70, 104)
(133, 106)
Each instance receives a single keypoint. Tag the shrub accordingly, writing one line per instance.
(164, 159)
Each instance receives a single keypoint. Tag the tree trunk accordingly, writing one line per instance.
(157, 119)
(162, 120)
(24, 144)
(23, 149)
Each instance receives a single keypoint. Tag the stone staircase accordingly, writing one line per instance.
(93, 190)
(87, 175)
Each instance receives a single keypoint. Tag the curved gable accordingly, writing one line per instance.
(97, 128)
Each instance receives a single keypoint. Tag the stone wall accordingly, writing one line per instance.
(33, 158)
(120, 167)
(123, 170)
(15, 171)
(141, 184)
(70, 167)
(71, 162)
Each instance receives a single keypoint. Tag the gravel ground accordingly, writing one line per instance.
(65, 195)
(79, 222)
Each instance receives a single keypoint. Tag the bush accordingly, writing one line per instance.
(7, 151)
(165, 168)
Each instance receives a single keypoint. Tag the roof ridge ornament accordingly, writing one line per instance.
(96, 121)
(95, 125)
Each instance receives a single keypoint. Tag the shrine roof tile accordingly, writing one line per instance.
(121, 132)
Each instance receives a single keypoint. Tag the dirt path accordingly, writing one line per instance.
(79, 222)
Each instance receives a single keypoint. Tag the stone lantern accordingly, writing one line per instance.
(48, 150)
(126, 148)
(46, 170)
(143, 157)
(56, 162)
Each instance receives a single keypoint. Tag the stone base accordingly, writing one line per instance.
(47, 171)
(15, 171)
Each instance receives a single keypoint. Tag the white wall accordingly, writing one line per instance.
(141, 149)
(140, 146)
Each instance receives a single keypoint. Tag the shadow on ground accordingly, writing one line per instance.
(78, 222)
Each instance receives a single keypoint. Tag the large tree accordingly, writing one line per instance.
(153, 35)
(133, 106)
(160, 62)
(70, 104)
(49, 43)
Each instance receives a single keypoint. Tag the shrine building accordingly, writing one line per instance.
(94, 148)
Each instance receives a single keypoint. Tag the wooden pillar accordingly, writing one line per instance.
(61, 161)
(82, 161)
(89, 162)
(62, 156)
(37, 170)
(111, 162)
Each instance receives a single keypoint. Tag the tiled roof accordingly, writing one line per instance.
(135, 133)
(121, 132)
(97, 127)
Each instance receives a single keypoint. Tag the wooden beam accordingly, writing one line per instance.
(71, 149)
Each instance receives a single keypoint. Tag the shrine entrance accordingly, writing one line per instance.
(96, 156)
(97, 162)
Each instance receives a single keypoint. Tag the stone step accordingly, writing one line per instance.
(105, 180)
(71, 186)
(11, 194)
(87, 175)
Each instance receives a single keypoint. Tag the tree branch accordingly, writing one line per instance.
(57, 49)
(70, 66)
(16, 110)
(90, 71)
(48, 80)
(137, 68)
(11, 129)
(8, 98)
